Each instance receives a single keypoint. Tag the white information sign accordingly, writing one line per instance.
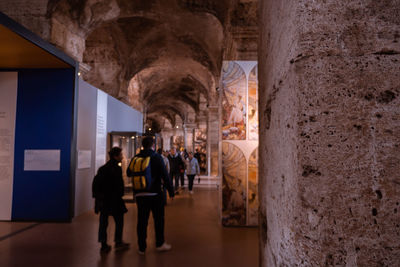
(101, 129)
(42, 160)
(8, 108)
(84, 159)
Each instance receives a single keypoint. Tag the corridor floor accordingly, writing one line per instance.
(192, 228)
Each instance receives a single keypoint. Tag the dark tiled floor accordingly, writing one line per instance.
(192, 227)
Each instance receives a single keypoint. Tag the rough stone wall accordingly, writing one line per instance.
(330, 133)
(278, 107)
(31, 14)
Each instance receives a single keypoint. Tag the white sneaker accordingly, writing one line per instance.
(164, 247)
(140, 252)
(191, 192)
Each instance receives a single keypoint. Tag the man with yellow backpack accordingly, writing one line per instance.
(148, 173)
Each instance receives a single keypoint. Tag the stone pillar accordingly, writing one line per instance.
(166, 136)
(329, 133)
(189, 136)
(213, 141)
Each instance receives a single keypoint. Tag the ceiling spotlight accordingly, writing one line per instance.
(177, 126)
(149, 129)
(79, 73)
(132, 137)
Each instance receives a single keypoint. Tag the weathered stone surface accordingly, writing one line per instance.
(31, 14)
(329, 157)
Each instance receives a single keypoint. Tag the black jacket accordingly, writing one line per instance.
(108, 189)
(159, 173)
(176, 163)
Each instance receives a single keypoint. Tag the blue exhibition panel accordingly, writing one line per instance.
(44, 121)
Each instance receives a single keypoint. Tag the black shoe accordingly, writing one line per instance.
(105, 248)
(121, 245)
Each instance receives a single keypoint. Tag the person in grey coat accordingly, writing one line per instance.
(192, 169)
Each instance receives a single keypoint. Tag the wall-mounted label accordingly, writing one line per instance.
(84, 159)
(42, 160)
(101, 129)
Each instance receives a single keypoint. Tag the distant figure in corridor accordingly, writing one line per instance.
(108, 189)
(197, 155)
(192, 169)
(152, 199)
(166, 162)
(176, 166)
(165, 159)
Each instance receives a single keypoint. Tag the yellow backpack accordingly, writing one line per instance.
(140, 171)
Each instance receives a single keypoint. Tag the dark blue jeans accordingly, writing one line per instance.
(175, 176)
(191, 179)
(145, 204)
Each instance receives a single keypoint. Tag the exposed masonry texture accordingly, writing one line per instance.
(329, 148)
(156, 55)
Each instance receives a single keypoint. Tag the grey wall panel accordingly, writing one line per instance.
(122, 117)
(87, 108)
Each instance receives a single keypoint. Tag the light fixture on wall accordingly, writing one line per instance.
(149, 129)
(177, 126)
(132, 137)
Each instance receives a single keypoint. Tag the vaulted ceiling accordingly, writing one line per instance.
(159, 56)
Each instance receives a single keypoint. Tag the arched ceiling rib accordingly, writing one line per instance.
(150, 49)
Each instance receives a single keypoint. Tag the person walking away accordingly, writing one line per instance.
(192, 169)
(108, 189)
(150, 166)
(184, 156)
(176, 165)
(166, 162)
(165, 159)
(184, 153)
(197, 155)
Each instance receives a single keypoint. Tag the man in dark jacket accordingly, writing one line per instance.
(152, 200)
(108, 189)
(176, 166)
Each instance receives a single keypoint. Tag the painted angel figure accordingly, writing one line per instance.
(238, 111)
